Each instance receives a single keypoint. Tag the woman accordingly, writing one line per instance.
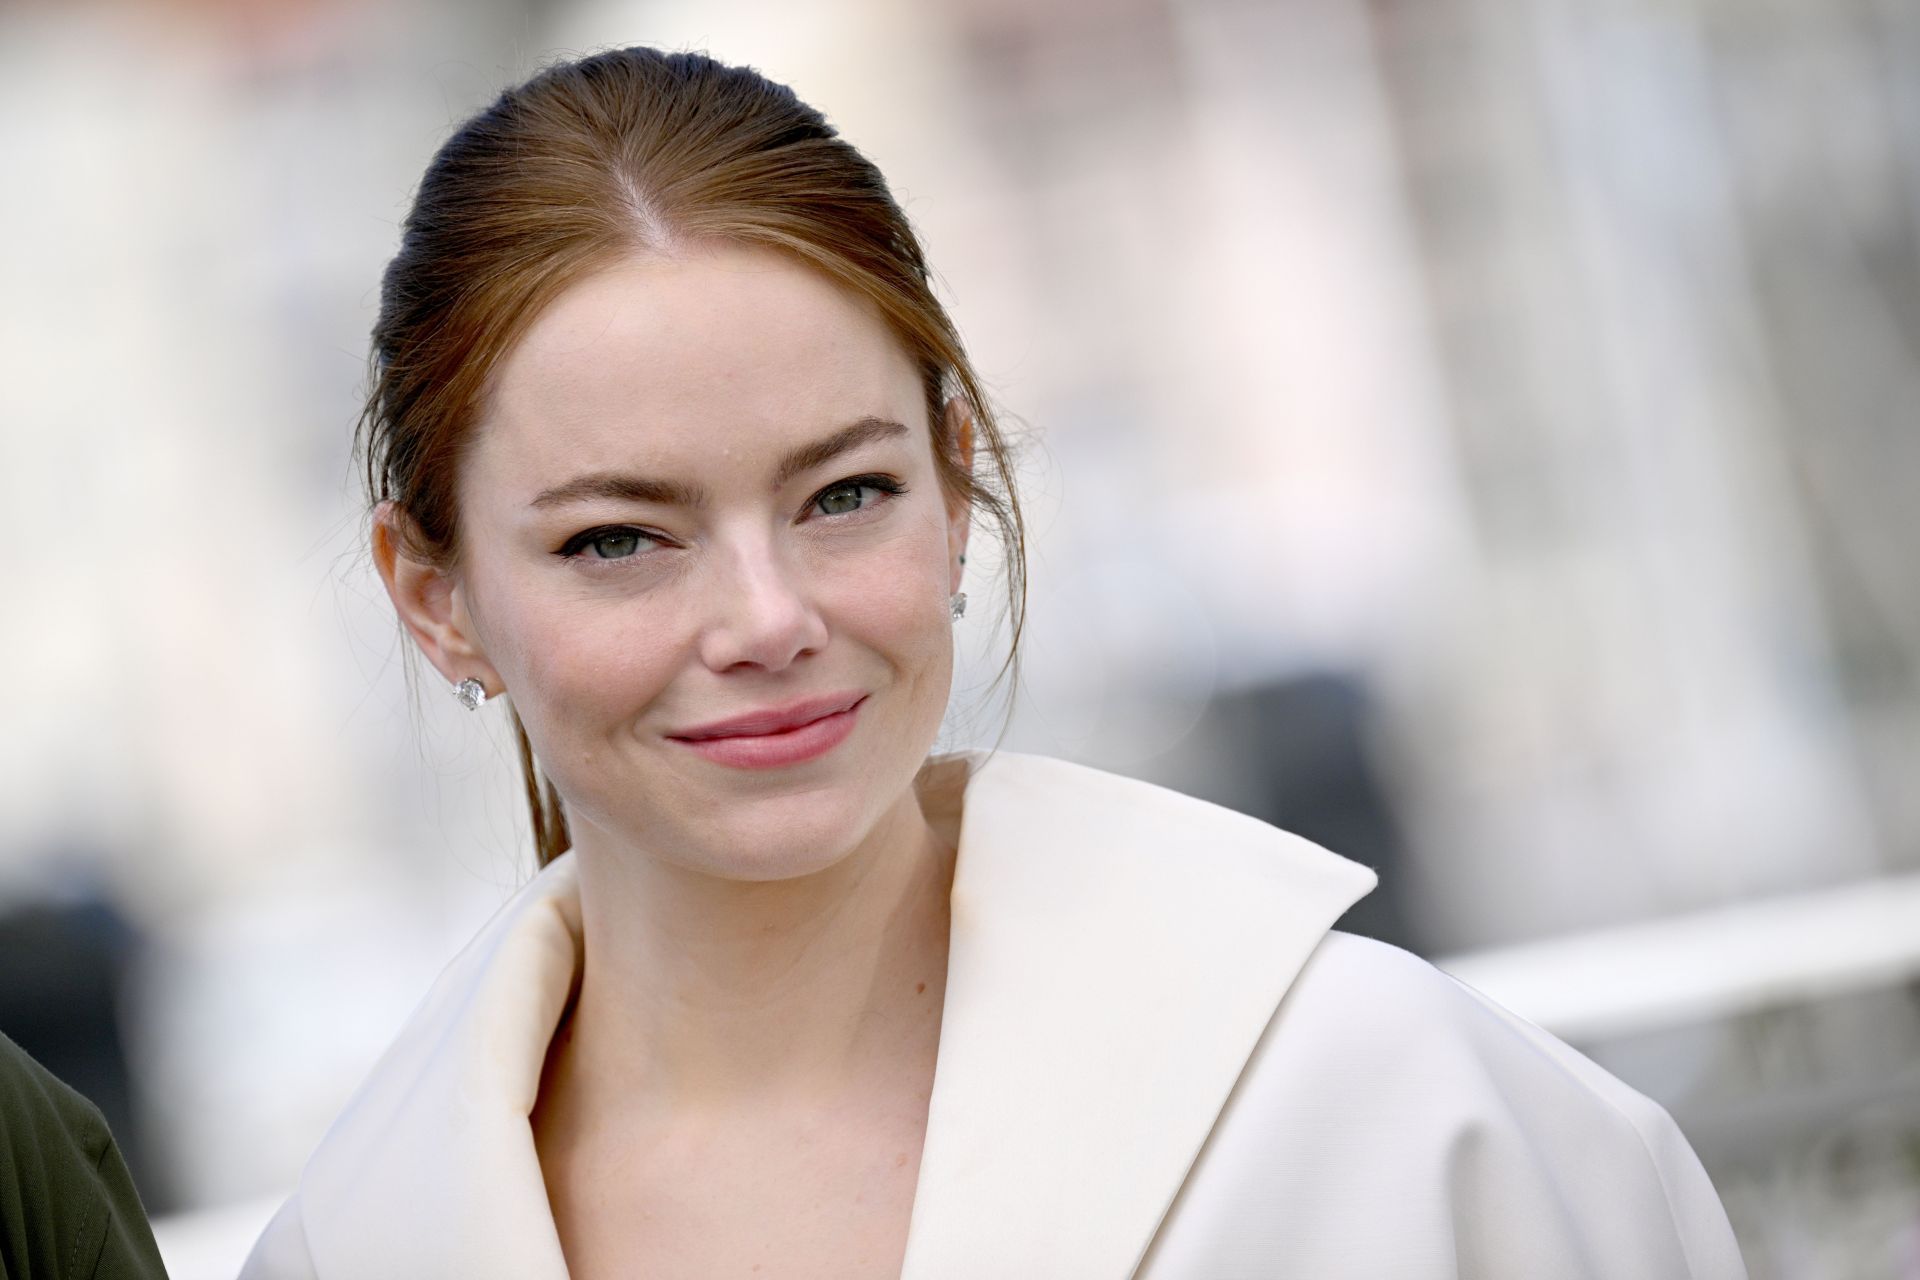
(670, 442)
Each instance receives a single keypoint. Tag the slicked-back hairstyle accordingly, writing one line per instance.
(592, 161)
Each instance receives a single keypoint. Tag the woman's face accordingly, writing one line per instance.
(704, 488)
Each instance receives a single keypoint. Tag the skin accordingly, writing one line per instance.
(741, 1083)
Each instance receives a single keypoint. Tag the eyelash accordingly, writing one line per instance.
(574, 547)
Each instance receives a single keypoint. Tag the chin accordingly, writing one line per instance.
(786, 851)
(786, 836)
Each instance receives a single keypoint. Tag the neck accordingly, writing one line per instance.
(702, 995)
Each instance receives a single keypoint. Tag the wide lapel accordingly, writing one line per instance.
(1117, 950)
(431, 1170)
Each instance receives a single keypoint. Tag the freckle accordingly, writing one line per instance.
(900, 1160)
(919, 988)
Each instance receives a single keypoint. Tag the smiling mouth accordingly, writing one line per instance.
(769, 723)
(778, 748)
(769, 733)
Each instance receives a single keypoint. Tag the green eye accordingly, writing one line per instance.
(841, 498)
(615, 544)
(844, 498)
(609, 542)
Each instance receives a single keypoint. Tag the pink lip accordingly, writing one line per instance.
(814, 738)
(772, 719)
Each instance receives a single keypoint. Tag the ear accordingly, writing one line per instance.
(957, 432)
(430, 603)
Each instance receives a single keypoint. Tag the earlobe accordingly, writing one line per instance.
(426, 598)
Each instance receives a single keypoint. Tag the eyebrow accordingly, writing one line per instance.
(626, 487)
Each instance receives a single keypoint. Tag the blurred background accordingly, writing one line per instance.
(1479, 435)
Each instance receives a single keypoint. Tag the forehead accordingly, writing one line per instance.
(712, 354)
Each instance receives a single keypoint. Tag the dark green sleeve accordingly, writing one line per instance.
(68, 1209)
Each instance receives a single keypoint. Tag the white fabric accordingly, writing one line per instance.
(1157, 1059)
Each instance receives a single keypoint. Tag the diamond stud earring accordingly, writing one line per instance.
(470, 692)
(958, 604)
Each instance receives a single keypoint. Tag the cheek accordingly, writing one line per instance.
(896, 594)
(571, 662)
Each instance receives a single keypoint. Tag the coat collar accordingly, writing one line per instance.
(1116, 951)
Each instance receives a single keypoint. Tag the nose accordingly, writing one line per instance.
(763, 611)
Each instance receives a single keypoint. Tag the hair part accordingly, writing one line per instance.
(591, 161)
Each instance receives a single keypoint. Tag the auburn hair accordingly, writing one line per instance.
(591, 161)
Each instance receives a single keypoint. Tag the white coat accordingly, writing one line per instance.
(1157, 1059)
